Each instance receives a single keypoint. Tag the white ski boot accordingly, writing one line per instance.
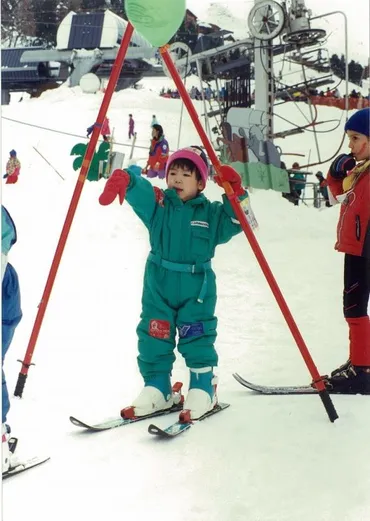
(202, 396)
(8, 446)
(156, 396)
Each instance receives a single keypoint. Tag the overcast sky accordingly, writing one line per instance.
(357, 14)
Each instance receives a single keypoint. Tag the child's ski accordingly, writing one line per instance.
(25, 465)
(277, 390)
(183, 425)
(128, 414)
(112, 423)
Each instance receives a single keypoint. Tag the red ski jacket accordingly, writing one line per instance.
(158, 153)
(353, 230)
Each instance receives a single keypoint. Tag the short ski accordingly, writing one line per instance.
(277, 390)
(128, 414)
(26, 465)
(112, 423)
(181, 426)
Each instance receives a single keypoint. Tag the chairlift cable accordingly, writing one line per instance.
(65, 133)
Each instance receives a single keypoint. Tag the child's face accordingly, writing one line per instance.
(359, 145)
(184, 182)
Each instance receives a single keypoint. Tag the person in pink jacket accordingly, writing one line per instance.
(105, 130)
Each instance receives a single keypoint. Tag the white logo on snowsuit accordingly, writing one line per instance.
(201, 224)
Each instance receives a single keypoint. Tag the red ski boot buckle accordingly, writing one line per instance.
(128, 413)
(185, 416)
(176, 390)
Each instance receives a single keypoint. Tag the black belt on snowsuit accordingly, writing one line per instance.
(201, 267)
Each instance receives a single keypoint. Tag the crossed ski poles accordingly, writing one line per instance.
(219, 168)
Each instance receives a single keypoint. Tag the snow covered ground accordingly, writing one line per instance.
(265, 458)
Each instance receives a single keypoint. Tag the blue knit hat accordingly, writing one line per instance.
(359, 122)
(12, 153)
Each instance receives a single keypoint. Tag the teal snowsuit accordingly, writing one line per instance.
(179, 285)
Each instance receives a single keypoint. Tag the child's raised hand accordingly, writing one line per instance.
(342, 165)
(229, 174)
(116, 185)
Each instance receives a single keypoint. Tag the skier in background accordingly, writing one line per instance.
(131, 126)
(13, 167)
(323, 188)
(296, 183)
(179, 291)
(11, 315)
(349, 184)
(105, 130)
(158, 154)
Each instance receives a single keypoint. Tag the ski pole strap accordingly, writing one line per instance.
(201, 267)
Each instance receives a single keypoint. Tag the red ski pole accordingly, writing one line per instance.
(317, 379)
(116, 69)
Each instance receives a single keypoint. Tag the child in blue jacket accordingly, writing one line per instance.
(11, 315)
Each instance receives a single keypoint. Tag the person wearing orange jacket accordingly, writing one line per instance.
(349, 183)
(13, 167)
(158, 154)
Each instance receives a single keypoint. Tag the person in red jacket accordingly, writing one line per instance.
(349, 183)
(158, 154)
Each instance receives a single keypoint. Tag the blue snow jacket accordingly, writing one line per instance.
(10, 299)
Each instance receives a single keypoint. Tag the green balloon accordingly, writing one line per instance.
(156, 20)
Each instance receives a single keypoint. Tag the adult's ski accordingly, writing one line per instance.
(183, 425)
(25, 465)
(128, 414)
(275, 389)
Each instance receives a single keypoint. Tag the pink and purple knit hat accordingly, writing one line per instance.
(194, 154)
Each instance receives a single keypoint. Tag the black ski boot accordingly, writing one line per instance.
(343, 367)
(349, 379)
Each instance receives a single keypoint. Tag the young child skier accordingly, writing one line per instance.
(11, 315)
(179, 284)
(349, 183)
(13, 167)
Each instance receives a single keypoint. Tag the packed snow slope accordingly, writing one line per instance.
(264, 458)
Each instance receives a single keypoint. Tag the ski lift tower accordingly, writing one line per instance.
(267, 20)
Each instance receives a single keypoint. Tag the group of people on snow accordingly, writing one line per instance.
(297, 183)
(179, 292)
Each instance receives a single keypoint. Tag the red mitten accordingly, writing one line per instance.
(116, 185)
(229, 174)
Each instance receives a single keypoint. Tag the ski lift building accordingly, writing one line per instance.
(18, 76)
(100, 30)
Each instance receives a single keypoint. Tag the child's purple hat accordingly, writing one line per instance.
(194, 154)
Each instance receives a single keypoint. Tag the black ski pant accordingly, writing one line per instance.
(356, 286)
